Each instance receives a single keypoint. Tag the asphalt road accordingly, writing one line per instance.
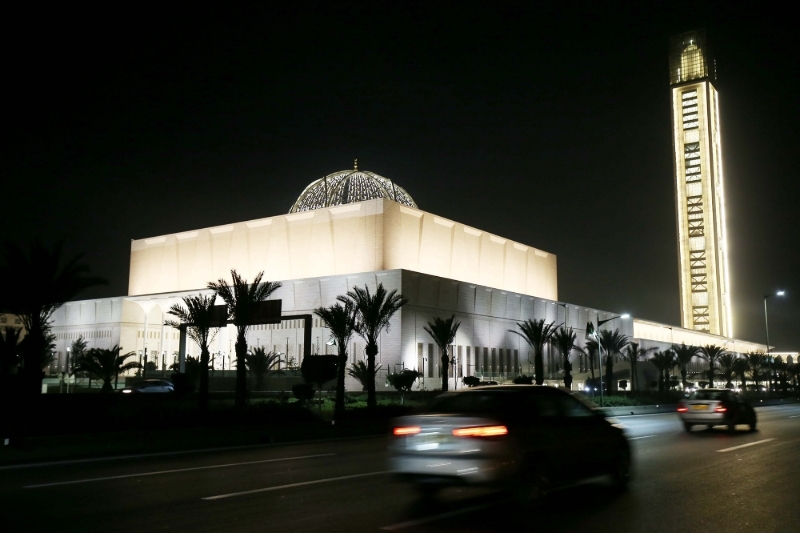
(705, 481)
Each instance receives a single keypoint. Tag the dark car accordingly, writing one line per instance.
(523, 437)
(149, 386)
(716, 407)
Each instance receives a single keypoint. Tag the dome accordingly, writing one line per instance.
(349, 186)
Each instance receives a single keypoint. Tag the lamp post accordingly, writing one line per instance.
(592, 332)
(766, 326)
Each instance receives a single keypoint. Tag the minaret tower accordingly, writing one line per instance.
(699, 198)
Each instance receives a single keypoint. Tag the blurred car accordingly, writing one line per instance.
(526, 438)
(716, 407)
(150, 385)
(485, 383)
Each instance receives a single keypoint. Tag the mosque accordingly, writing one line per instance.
(350, 228)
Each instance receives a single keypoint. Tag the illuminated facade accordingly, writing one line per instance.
(363, 230)
(699, 194)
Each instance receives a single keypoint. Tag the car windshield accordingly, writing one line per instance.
(708, 395)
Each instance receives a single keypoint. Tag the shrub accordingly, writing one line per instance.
(471, 381)
(304, 392)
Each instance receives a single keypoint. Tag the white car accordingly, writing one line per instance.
(521, 437)
(716, 407)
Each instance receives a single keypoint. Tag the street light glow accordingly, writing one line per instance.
(625, 315)
(780, 293)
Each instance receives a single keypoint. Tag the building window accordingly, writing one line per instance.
(689, 110)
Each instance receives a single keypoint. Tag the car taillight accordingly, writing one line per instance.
(404, 431)
(481, 431)
(720, 409)
(682, 408)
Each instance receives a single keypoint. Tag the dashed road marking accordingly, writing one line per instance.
(142, 474)
(291, 485)
(744, 445)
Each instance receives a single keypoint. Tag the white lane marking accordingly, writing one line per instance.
(795, 416)
(183, 452)
(107, 478)
(301, 484)
(420, 521)
(744, 445)
(645, 437)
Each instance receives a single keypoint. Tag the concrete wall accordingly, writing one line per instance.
(375, 235)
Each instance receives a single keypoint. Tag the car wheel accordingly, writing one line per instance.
(731, 425)
(688, 426)
(753, 423)
(621, 475)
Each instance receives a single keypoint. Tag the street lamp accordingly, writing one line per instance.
(766, 326)
(592, 332)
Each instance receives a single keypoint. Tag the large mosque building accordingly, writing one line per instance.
(352, 228)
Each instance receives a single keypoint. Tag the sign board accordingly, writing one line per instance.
(268, 312)
(219, 316)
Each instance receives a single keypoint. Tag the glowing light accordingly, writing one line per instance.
(403, 431)
(483, 431)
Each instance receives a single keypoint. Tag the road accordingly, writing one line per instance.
(704, 481)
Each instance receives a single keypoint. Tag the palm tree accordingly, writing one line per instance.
(633, 353)
(37, 283)
(443, 332)
(374, 313)
(360, 372)
(711, 353)
(106, 364)
(740, 367)
(664, 362)
(756, 361)
(612, 342)
(342, 320)
(196, 314)
(564, 340)
(794, 371)
(590, 349)
(242, 299)
(259, 363)
(683, 356)
(9, 353)
(536, 333)
(78, 350)
(727, 363)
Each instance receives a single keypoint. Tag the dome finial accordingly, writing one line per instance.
(355, 164)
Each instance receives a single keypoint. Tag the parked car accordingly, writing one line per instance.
(150, 385)
(524, 437)
(716, 407)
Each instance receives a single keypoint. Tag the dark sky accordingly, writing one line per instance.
(547, 126)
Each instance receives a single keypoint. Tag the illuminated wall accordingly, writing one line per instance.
(368, 236)
(699, 195)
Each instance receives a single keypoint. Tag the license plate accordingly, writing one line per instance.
(426, 442)
(699, 408)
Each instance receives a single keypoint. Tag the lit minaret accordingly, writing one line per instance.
(699, 198)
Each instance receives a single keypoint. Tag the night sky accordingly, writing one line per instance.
(550, 127)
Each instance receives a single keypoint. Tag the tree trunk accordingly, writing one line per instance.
(683, 376)
(634, 375)
(241, 371)
(372, 351)
(202, 398)
(609, 374)
(338, 409)
(538, 366)
(744, 383)
(568, 375)
(445, 368)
